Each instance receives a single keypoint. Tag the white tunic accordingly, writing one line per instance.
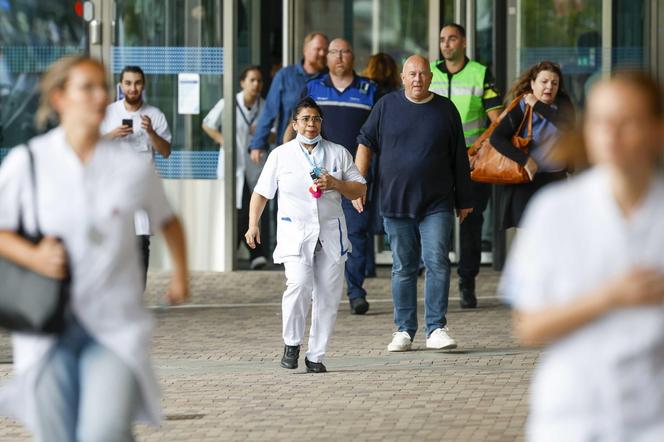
(302, 219)
(604, 381)
(245, 168)
(91, 207)
(137, 141)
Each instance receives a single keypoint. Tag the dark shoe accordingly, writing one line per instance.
(314, 367)
(359, 305)
(467, 293)
(290, 357)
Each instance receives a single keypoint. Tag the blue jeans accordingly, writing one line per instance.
(430, 238)
(85, 392)
(358, 234)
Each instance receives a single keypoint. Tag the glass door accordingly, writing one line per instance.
(32, 36)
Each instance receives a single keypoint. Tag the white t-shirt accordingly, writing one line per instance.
(245, 118)
(604, 381)
(138, 141)
(90, 207)
(302, 220)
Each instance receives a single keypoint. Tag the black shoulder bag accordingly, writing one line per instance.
(30, 302)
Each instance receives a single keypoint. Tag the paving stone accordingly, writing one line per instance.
(218, 364)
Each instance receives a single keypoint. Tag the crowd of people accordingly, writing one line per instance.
(356, 155)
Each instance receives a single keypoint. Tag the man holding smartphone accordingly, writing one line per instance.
(142, 128)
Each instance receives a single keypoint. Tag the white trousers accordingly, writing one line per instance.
(322, 283)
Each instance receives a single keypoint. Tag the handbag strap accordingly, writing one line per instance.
(527, 117)
(33, 183)
(487, 133)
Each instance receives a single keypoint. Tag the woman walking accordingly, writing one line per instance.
(311, 175)
(92, 381)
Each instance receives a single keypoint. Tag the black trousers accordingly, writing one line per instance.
(470, 233)
(144, 241)
(243, 225)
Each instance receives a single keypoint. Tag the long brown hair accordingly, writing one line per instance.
(522, 85)
(382, 69)
(55, 79)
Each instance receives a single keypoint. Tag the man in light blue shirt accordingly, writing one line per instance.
(286, 91)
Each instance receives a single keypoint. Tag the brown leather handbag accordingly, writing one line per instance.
(487, 165)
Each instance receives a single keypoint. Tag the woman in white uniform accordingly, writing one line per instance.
(92, 381)
(586, 278)
(248, 106)
(311, 175)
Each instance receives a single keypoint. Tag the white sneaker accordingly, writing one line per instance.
(440, 340)
(400, 342)
(258, 263)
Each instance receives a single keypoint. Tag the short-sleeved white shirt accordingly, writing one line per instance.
(604, 381)
(138, 141)
(91, 208)
(303, 220)
(245, 118)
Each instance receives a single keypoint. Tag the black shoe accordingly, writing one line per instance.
(290, 357)
(467, 293)
(314, 367)
(359, 305)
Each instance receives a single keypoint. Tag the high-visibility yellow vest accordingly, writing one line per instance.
(466, 91)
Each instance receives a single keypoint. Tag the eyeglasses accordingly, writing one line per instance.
(307, 118)
(342, 52)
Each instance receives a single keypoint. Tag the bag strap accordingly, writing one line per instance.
(487, 133)
(527, 117)
(33, 182)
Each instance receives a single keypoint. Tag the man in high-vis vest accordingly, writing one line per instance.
(471, 87)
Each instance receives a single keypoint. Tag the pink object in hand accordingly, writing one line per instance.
(315, 191)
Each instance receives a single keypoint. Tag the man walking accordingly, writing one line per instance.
(472, 89)
(144, 129)
(424, 176)
(286, 91)
(346, 100)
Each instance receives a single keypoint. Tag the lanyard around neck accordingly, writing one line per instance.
(244, 117)
(315, 168)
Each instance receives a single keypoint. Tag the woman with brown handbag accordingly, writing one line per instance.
(542, 89)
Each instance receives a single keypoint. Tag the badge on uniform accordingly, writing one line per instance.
(316, 173)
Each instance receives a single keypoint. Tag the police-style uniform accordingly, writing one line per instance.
(605, 380)
(312, 239)
(91, 208)
(344, 114)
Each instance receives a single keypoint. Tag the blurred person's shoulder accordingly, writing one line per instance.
(567, 201)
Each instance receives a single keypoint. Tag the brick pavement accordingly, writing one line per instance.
(218, 362)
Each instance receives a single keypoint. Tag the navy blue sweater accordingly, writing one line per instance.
(423, 160)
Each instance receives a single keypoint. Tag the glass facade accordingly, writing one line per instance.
(168, 37)
(397, 27)
(33, 35)
(571, 34)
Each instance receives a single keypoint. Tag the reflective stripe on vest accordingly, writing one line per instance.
(465, 91)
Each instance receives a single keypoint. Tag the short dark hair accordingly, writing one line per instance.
(306, 102)
(245, 71)
(133, 69)
(456, 26)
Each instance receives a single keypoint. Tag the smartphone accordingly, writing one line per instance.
(128, 122)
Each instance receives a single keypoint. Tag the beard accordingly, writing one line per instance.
(133, 101)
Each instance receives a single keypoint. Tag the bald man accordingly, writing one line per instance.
(424, 177)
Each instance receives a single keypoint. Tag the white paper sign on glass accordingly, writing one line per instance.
(189, 94)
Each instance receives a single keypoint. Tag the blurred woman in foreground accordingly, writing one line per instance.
(586, 277)
(92, 381)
